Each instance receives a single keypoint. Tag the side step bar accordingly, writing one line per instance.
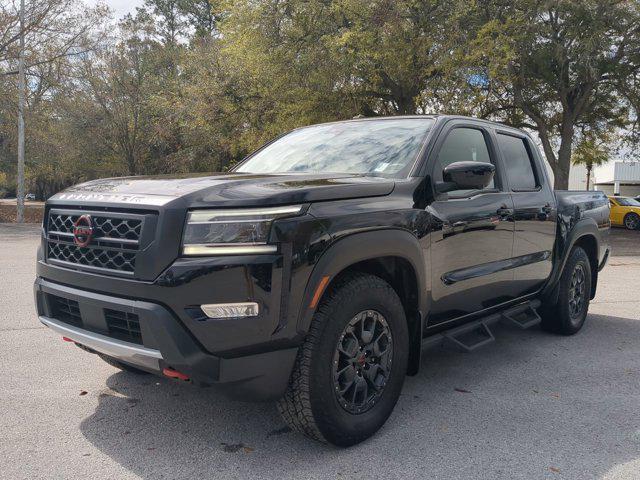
(523, 316)
(470, 337)
(476, 334)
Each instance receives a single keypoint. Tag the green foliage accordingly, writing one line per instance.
(556, 66)
(590, 153)
(195, 85)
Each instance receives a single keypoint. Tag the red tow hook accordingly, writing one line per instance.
(171, 373)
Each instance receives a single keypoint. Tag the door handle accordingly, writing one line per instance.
(545, 212)
(504, 212)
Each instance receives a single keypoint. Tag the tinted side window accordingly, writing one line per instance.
(517, 162)
(464, 145)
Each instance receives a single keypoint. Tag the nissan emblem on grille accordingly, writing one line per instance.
(83, 230)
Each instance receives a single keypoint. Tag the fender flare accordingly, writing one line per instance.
(583, 228)
(358, 247)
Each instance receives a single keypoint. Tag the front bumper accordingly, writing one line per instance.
(167, 343)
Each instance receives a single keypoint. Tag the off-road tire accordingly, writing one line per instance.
(558, 318)
(310, 404)
(122, 366)
(632, 221)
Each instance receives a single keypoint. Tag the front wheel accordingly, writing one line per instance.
(632, 221)
(569, 313)
(351, 367)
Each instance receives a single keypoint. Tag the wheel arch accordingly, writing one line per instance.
(585, 234)
(392, 254)
(589, 244)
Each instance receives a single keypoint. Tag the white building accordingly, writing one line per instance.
(618, 178)
(578, 178)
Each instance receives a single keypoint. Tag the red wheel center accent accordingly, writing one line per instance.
(361, 360)
(83, 231)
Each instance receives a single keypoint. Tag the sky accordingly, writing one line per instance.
(120, 7)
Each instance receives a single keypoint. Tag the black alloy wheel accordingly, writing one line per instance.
(362, 361)
(350, 370)
(577, 292)
(567, 315)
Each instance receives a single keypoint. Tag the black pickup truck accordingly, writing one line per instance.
(316, 271)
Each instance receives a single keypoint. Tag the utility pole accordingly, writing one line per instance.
(21, 95)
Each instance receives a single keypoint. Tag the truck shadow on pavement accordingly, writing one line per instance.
(532, 405)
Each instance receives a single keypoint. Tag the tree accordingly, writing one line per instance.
(118, 81)
(591, 152)
(314, 61)
(203, 16)
(558, 65)
(55, 29)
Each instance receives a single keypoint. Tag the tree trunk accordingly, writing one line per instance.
(406, 104)
(563, 166)
(589, 167)
(131, 163)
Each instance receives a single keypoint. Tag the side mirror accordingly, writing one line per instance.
(466, 176)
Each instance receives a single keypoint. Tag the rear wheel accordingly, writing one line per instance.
(568, 315)
(350, 369)
(632, 221)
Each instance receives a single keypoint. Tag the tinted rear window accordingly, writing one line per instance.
(517, 162)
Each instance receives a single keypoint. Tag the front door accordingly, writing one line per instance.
(472, 239)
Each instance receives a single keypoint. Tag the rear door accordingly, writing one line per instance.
(472, 239)
(535, 211)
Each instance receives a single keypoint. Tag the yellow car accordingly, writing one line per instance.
(625, 212)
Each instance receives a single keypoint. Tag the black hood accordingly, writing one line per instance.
(227, 189)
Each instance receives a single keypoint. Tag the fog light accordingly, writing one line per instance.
(230, 310)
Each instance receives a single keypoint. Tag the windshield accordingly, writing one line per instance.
(628, 202)
(372, 147)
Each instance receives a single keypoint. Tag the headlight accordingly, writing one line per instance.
(232, 232)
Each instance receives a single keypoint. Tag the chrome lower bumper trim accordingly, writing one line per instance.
(125, 351)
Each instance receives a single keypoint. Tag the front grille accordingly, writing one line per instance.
(123, 325)
(93, 257)
(65, 310)
(115, 243)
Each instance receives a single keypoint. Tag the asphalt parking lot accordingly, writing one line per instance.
(530, 406)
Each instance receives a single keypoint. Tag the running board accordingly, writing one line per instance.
(523, 317)
(470, 337)
(476, 334)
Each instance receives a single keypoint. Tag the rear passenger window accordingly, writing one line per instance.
(518, 162)
(464, 145)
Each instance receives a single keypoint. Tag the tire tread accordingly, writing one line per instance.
(295, 405)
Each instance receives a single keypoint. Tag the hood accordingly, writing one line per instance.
(226, 189)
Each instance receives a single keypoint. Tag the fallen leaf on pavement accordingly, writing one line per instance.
(461, 390)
